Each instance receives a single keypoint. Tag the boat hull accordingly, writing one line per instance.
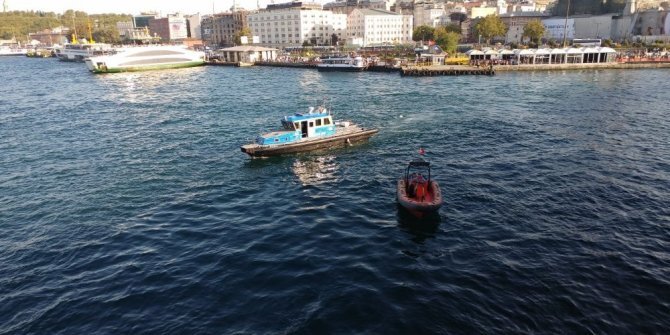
(338, 140)
(420, 208)
(146, 67)
(339, 69)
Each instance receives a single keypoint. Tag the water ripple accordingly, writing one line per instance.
(127, 206)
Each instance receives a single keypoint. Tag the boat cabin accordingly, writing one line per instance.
(301, 126)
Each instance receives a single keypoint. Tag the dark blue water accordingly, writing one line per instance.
(126, 206)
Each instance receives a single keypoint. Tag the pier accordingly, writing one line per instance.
(299, 65)
(445, 70)
(464, 70)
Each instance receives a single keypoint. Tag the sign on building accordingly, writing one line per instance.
(178, 28)
(556, 28)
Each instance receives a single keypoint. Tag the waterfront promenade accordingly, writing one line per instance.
(413, 70)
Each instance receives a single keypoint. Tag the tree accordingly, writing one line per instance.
(245, 31)
(447, 40)
(423, 33)
(454, 28)
(107, 35)
(534, 30)
(490, 27)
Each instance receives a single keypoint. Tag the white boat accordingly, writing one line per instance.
(77, 52)
(12, 50)
(146, 58)
(347, 63)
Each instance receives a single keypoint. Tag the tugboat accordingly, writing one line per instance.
(307, 131)
(417, 192)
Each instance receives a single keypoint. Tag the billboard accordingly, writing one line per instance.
(177, 26)
(555, 28)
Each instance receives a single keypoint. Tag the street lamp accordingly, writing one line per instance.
(480, 40)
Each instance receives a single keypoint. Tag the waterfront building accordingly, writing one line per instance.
(379, 27)
(516, 21)
(53, 36)
(142, 20)
(221, 29)
(296, 23)
(247, 54)
(585, 55)
(171, 28)
(193, 23)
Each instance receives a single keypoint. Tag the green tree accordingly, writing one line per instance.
(454, 28)
(447, 40)
(107, 35)
(423, 33)
(490, 27)
(245, 31)
(534, 30)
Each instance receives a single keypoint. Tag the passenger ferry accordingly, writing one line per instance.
(12, 50)
(78, 52)
(146, 58)
(353, 64)
(305, 132)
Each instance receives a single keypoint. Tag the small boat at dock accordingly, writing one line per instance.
(309, 131)
(417, 192)
(349, 64)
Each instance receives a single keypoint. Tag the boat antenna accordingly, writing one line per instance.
(565, 26)
(90, 34)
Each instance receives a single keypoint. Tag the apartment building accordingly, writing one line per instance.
(221, 29)
(297, 23)
(372, 27)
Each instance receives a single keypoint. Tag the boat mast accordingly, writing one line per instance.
(565, 26)
(90, 35)
(74, 27)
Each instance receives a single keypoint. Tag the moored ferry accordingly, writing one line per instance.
(313, 130)
(352, 64)
(78, 52)
(146, 58)
(12, 50)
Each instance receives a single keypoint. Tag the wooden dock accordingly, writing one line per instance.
(288, 64)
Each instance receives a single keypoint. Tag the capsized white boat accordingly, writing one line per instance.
(146, 58)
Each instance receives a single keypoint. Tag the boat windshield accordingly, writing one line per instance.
(287, 125)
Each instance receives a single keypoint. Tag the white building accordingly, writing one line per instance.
(292, 24)
(194, 22)
(379, 27)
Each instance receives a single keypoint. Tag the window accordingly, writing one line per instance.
(318, 122)
(326, 121)
(311, 124)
